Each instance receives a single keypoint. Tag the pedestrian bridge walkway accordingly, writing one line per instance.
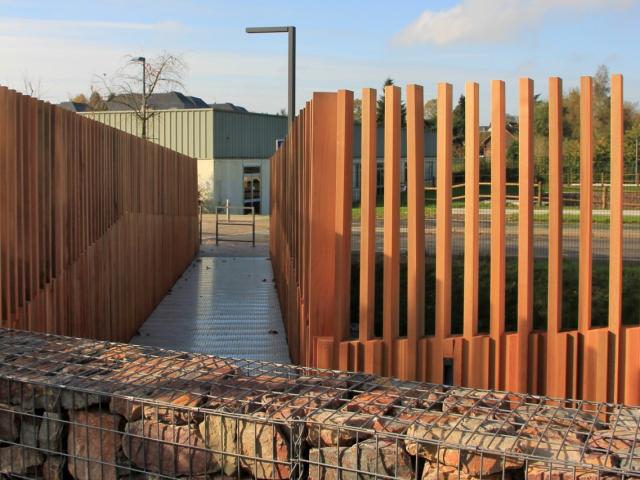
(221, 305)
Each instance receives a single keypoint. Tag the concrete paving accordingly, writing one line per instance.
(224, 304)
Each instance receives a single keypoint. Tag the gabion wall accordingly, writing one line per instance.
(72, 408)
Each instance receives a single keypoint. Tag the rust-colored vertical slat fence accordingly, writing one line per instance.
(95, 224)
(311, 225)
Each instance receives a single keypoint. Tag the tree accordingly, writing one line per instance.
(31, 87)
(431, 114)
(381, 103)
(126, 87)
(283, 112)
(457, 122)
(357, 110)
(80, 98)
(96, 102)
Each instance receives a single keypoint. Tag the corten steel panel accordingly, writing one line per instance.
(556, 375)
(586, 205)
(471, 208)
(615, 232)
(64, 252)
(443, 230)
(415, 246)
(391, 261)
(322, 266)
(368, 216)
(343, 194)
(498, 258)
(566, 363)
(518, 381)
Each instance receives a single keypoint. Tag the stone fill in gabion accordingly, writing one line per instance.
(84, 409)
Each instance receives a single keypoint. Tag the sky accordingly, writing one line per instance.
(64, 46)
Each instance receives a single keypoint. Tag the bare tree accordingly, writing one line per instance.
(31, 87)
(133, 84)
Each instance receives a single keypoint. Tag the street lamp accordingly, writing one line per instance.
(292, 61)
(144, 93)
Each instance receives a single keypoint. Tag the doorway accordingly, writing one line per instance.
(252, 187)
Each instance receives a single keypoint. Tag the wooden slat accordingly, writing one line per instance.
(61, 261)
(415, 225)
(556, 374)
(344, 189)
(443, 223)
(391, 265)
(498, 199)
(525, 235)
(616, 232)
(586, 204)
(322, 262)
(368, 189)
(471, 210)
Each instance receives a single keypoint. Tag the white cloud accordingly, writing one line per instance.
(488, 21)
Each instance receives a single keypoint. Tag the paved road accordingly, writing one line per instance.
(631, 246)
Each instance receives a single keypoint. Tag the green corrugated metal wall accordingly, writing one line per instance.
(207, 133)
(187, 131)
(242, 135)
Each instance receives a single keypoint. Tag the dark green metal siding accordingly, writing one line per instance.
(246, 135)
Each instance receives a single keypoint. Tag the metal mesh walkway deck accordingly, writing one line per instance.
(224, 306)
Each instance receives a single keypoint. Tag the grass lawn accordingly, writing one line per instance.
(630, 294)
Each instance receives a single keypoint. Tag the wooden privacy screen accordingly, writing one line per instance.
(311, 234)
(95, 224)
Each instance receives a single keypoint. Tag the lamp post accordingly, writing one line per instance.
(144, 94)
(292, 62)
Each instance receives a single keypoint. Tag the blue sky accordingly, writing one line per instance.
(341, 44)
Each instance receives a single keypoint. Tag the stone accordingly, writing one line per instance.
(330, 428)
(167, 449)
(19, 460)
(478, 402)
(30, 397)
(435, 471)
(376, 402)
(29, 428)
(220, 434)
(93, 435)
(433, 428)
(54, 467)
(619, 440)
(51, 430)
(128, 408)
(182, 410)
(9, 423)
(368, 458)
(265, 441)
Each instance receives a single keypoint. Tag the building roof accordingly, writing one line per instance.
(228, 107)
(157, 101)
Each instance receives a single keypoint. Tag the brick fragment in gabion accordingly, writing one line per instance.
(167, 449)
(362, 460)
(95, 435)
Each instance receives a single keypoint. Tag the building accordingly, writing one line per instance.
(233, 147)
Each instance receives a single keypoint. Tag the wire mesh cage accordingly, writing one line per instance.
(72, 408)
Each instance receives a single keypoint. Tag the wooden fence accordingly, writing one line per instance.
(95, 224)
(311, 234)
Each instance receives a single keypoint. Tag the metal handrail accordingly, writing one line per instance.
(227, 209)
